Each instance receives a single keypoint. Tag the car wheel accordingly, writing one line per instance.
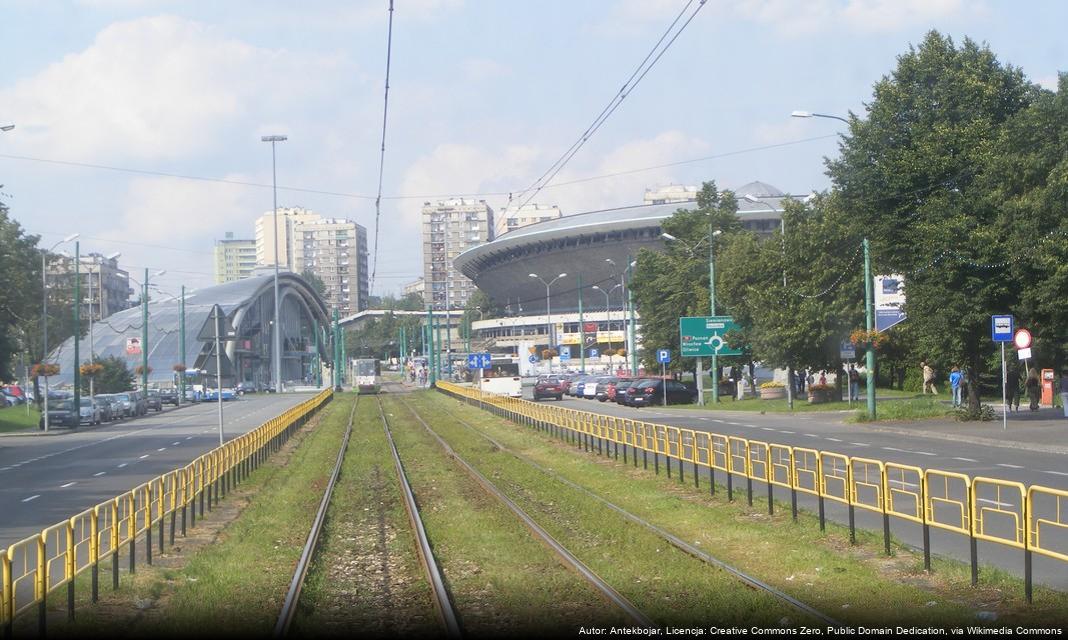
(559, 397)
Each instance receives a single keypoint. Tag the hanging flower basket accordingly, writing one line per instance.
(91, 370)
(179, 368)
(865, 339)
(44, 370)
(548, 354)
(141, 370)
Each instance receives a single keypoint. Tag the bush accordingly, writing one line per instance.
(984, 413)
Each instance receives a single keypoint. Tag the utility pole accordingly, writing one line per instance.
(181, 341)
(868, 304)
(77, 334)
(582, 329)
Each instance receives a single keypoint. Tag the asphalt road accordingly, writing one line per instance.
(828, 433)
(46, 479)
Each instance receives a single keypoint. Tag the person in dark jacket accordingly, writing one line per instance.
(1034, 389)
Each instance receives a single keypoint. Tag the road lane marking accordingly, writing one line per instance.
(859, 444)
(811, 435)
(69, 484)
(893, 449)
(1056, 473)
(1010, 466)
(751, 426)
(143, 457)
(924, 453)
(767, 429)
(123, 464)
(189, 438)
(162, 449)
(717, 420)
(996, 503)
(785, 431)
(97, 475)
(903, 483)
(833, 439)
(175, 444)
(31, 498)
(965, 459)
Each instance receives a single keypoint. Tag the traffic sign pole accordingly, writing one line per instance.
(1004, 399)
(870, 362)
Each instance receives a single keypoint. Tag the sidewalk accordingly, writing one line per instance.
(1045, 430)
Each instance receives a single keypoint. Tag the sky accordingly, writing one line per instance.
(138, 122)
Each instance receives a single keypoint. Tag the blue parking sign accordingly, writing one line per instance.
(565, 354)
(663, 356)
(594, 353)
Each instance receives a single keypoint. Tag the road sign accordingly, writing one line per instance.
(706, 336)
(594, 353)
(481, 360)
(1022, 338)
(532, 359)
(663, 356)
(1024, 354)
(1001, 328)
(226, 330)
(565, 354)
(133, 346)
(847, 351)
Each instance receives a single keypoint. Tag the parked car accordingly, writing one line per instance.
(601, 392)
(576, 382)
(103, 404)
(651, 392)
(168, 396)
(153, 400)
(88, 411)
(589, 390)
(612, 388)
(61, 412)
(140, 402)
(548, 388)
(128, 404)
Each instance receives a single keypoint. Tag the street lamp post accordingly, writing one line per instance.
(77, 333)
(44, 311)
(277, 337)
(628, 328)
(548, 310)
(712, 233)
(608, 308)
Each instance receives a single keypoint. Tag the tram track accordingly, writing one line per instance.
(668, 537)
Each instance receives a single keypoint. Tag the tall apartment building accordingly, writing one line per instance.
(415, 287)
(670, 193)
(105, 288)
(235, 259)
(335, 250)
(288, 218)
(515, 218)
(450, 227)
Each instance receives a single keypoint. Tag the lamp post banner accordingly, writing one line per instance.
(889, 300)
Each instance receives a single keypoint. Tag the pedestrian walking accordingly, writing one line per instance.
(955, 379)
(802, 377)
(928, 378)
(1064, 391)
(823, 378)
(1034, 389)
(854, 383)
(1012, 388)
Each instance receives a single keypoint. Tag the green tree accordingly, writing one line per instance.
(908, 174)
(315, 281)
(674, 282)
(115, 376)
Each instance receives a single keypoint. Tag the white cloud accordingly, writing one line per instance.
(156, 87)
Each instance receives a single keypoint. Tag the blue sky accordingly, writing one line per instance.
(484, 97)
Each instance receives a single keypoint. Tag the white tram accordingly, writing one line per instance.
(368, 375)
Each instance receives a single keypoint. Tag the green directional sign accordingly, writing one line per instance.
(706, 336)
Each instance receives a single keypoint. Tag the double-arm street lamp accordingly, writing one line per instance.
(44, 309)
(277, 329)
(608, 307)
(712, 233)
(868, 305)
(548, 310)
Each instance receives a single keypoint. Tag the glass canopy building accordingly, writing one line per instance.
(249, 308)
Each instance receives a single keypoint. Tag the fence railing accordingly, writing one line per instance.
(34, 568)
(1033, 519)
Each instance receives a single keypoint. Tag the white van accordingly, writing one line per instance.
(503, 386)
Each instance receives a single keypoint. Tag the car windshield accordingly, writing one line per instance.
(123, 396)
(62, 405)
(153, 392)
(86, 402)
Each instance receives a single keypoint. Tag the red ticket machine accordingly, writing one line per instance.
(1047, 388)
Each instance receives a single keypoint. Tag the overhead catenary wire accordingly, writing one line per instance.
(382, 152)
(632, 82)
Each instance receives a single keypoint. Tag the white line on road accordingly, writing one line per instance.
(751, 426)
(1010, 466)
(833, 439)
(965, 459)
(705, 419)
(162, 449)
(97, 475)
(31, 498)
(812, 435)
(767, 429)
(903, 483)
(785, 431)
(1056, 473)
(859, 444)
(924, 453)
(123, 464)
(189, 438)
(893, 449)
(175, 444)
(995, 502)
(143, 457)
(717, 420)
(69, 484)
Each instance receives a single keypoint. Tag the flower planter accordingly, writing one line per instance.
(772, 393)
(819, 397)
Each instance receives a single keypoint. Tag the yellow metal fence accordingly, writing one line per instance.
(36, 567)
(1033, 519)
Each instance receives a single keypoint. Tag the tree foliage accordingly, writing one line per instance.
(114, 376)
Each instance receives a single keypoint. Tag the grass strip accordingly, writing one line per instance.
(668, 585)
(234, 586)
(16, 419)
(501, 578)
(366, 574)
(856, 584)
